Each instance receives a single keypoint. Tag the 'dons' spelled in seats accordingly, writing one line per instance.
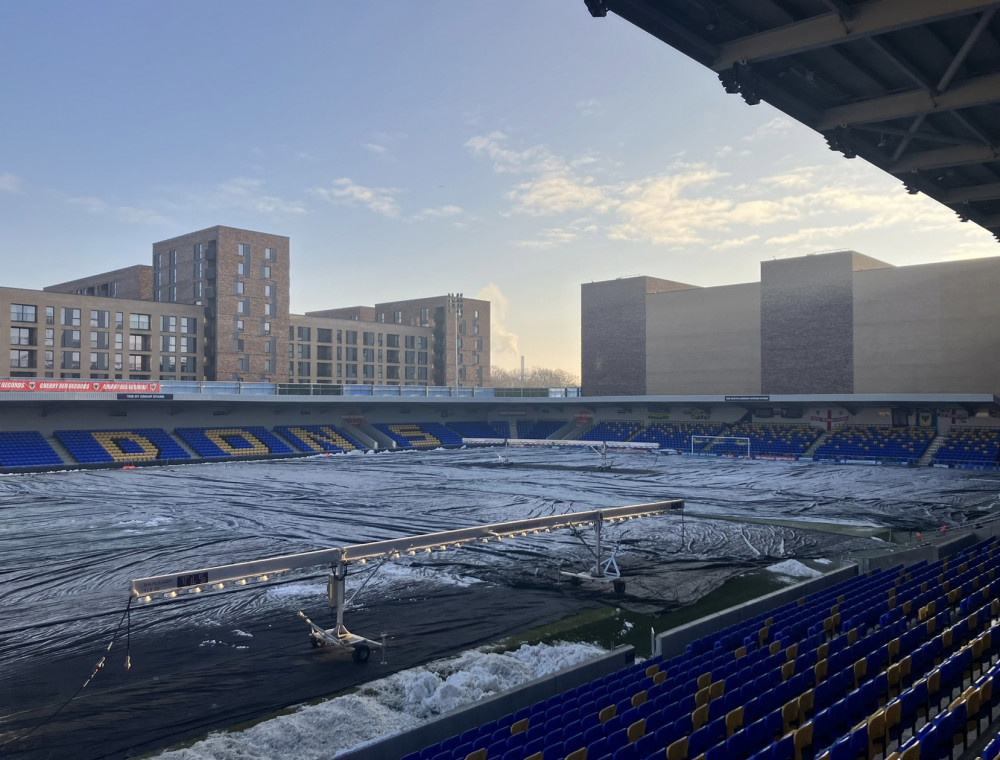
(677, 435)
(426, 435)
(122, 446)
(318, 438)
(26, 448)
(767, 440)
(612, 430)
(225, 443)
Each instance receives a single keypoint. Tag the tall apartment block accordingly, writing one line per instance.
(214, 305)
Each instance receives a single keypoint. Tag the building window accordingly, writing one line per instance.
(425, 316)
(238, 288)
(99, 340)
(305, 334)
(189, 364)
(168, 324)
(70, 317)
(22, 359)
(138, 363)
(380, 317)
(189, 325)
(119, 366)
(397, 317)
(368, 371)
(168, 343)
(303, 351)
(422, 342)
(173, 258)
(351, 370)
(50, 360)
(241, 307)
(269, 309)
(172, 294)
(199, 251)
(138, 321)
(22, 336)
(138, 343)
(157, 260)
(98, 361)
(50, 315)
(70, 339)
(352, 355)
(421, 373)
(198, 291)
(265, 272)
(324, 352)
(392, 340)
(368, 355)
(168, 364)
(270, 254)
(352, 338)
(324, 335)
(119, 319)
(411, 357)
(50, 336)
(265, 327)
(410, 341)
(368, 338)
(410, 373)
(268, 290)
(392, 373)
(421, 357)
(460, 343)
(189, 346)
(99, 318)
(392, 355)
(244, 249)
(119, 341)
(70, 360)
(303, 369)
(241, 268)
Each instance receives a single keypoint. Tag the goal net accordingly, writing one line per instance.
(721, 444)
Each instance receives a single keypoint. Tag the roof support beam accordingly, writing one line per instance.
(991, 222)
(873, 18)
(972, 193)
(945, 157)
(973, 92)
(926, 136)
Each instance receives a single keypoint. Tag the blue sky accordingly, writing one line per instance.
(505, 150)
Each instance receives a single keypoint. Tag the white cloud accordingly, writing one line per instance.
(778, 126)
(550, 238)
(505, 160)
(10, 183)
(442, 211)
(243, 192)
(725, 245)
(590, 107)
(127, 214)
(556, 193)
(346, 192)
(375, 148)
(503, 342)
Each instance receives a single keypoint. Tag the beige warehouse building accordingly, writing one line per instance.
(828, 323)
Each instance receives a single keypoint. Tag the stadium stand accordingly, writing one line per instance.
(121, 446)
(767, 440)
(677, 435)
(612, 430)
(874, 442)
(471, 429)
(26, 448)
(222, 443)
(903, 658)
(318, 438)
(969, 447)
(426, 435)
(538, 429)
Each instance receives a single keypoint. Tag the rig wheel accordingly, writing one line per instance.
(316, 641)
(362, 652)
(619, 586)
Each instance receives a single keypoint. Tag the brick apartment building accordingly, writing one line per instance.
(214, 305)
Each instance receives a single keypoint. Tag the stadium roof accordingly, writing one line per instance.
(912, 86)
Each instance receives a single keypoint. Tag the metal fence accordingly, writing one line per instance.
(368, 391)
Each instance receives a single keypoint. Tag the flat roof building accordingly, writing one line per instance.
(214, 305)
(835, 322)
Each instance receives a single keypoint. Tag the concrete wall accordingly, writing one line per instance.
(806, 324)
(704, 341)
(928, 329)
(613, 334)
(493, 707)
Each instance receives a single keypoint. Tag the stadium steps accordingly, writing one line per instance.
(577, 432)
(513, 428)
(928, 456)
(816, 444)
(61, 450)
(184, 445)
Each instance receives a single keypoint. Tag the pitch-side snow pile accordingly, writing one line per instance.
(399, 702)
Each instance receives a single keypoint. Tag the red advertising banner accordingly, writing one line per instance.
(78, 386)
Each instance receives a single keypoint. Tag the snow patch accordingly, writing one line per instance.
(794, 569)
(394, 704)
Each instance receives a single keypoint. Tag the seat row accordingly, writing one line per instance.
(757, 689)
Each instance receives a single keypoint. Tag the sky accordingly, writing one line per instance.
(509, 151)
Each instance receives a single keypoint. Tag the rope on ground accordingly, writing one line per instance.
(126, 616)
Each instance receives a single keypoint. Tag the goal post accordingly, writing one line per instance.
(706, 444)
